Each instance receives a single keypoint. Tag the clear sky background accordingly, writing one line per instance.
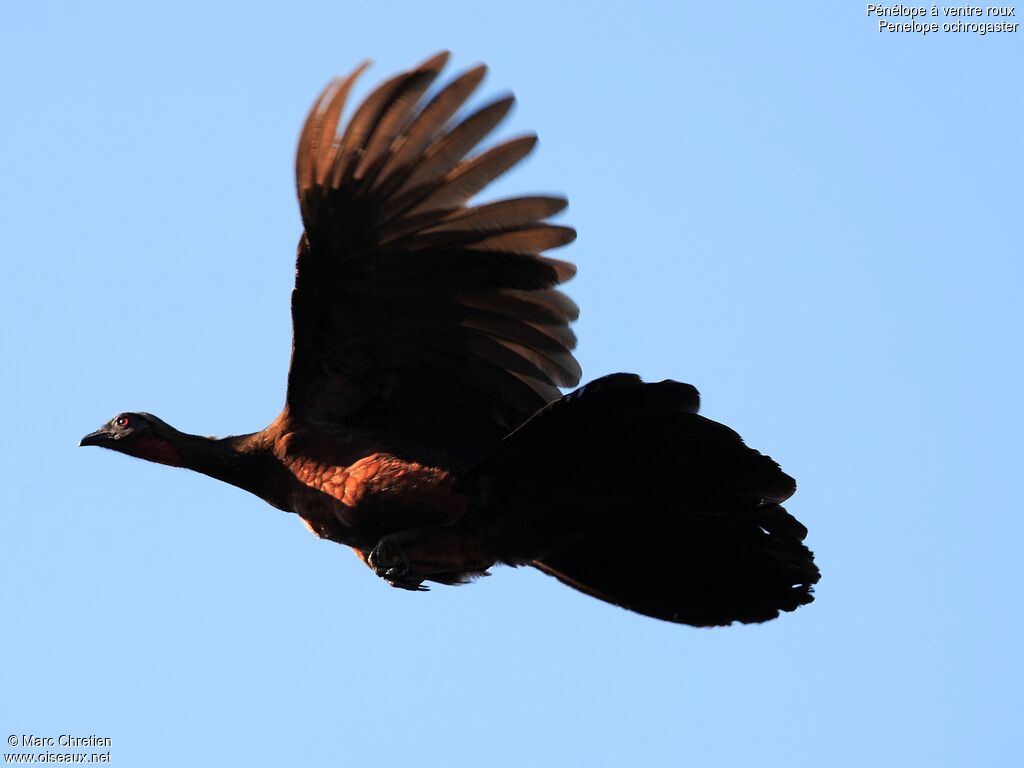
(817, 224)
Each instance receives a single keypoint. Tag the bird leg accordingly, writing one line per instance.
(390, 562)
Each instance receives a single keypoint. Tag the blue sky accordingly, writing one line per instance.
(817, 224)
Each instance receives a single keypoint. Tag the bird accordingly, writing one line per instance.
(424, 423)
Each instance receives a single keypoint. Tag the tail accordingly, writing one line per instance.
(622, 491)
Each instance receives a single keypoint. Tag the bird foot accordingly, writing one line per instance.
(390, 563)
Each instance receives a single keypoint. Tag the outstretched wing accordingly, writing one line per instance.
(419, 319)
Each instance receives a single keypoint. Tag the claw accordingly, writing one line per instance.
(387, 559)
(390, 563)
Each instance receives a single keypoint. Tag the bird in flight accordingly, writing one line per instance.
(423, 424)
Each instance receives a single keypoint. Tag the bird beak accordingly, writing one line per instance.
(99, 437)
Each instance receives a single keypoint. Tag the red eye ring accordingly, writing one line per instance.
(122, 421)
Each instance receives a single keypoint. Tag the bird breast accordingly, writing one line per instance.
(375, 496)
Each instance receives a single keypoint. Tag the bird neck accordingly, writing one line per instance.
(219, 458)
(241, 460)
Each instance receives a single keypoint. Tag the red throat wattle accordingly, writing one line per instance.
(154, 449)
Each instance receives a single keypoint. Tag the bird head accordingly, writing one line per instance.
(138, 434)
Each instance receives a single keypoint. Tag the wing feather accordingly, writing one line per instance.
(314, 154)
(471, 176)
(396, 116)
(434, 325)
(430, 121)
(446, 152)
(501, 215)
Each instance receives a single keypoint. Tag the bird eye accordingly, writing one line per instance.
(122, 421)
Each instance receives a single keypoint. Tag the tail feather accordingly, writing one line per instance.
(709, 572)
(623, 492)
